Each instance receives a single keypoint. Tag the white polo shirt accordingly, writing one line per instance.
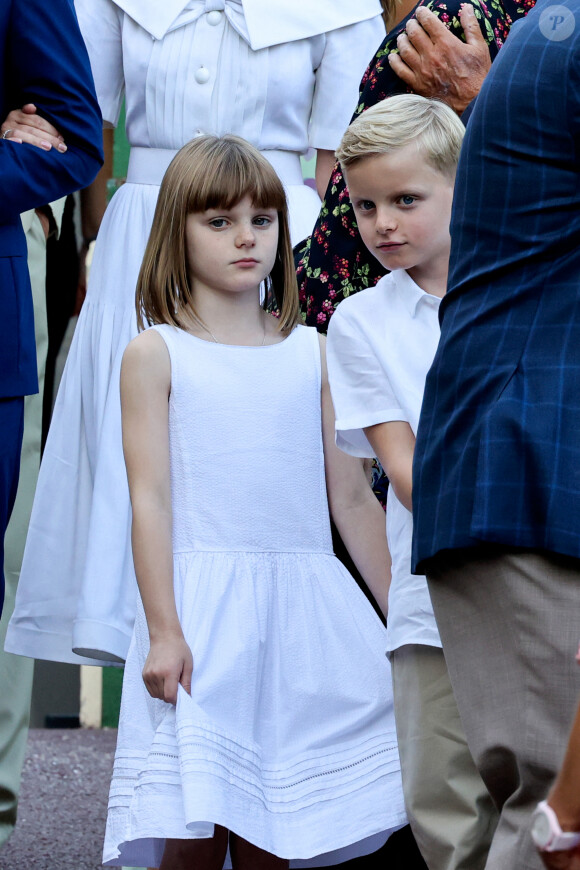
(381, 343)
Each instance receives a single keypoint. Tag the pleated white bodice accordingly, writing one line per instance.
(246, 449)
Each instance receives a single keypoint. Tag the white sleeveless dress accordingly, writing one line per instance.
(77, 589)
(288, 738)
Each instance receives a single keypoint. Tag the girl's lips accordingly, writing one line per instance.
(390, 246)
(246, 261)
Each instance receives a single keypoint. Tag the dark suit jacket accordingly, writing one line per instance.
(43, 60)
(497, 458)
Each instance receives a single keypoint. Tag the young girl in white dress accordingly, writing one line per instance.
(256, 702)
(283, 75)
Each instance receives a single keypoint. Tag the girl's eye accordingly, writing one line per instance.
(218, 223)
(407, 199)
(366, 205)
(262, 221)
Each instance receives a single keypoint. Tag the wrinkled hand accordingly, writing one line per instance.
(169, 663)
(561, 860)
(25, 125)
(435, 63)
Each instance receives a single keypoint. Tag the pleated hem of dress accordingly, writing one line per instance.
(319, 802)
(129, 844)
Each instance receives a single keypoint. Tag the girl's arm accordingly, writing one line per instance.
(394, 445)
(145, 386)
(355, 510)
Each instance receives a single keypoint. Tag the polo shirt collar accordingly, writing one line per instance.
(410, 292)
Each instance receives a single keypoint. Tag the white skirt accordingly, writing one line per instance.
(77, 587)
(288, 738)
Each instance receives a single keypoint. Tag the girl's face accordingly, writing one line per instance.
(231, 250)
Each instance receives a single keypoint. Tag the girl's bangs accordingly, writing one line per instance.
(230, 176)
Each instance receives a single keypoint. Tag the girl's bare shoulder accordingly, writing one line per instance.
(148, 343)
(146, 356)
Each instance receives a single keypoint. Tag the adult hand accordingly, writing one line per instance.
(169, 663)
(25, 125)
(435, 63)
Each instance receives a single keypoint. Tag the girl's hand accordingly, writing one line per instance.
(25, 125)
(169, 663)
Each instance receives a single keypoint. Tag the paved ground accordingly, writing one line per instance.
(63, 801)
(63, 805)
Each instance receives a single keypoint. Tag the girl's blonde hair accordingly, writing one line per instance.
(403, 120)
(210, 172)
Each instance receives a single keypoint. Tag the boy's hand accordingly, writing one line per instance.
(25, 125)
(437, 64)
(169, 663)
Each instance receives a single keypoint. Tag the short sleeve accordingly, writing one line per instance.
(100, 22)
(346, 56)
(361, 391)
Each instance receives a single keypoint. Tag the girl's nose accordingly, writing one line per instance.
(246, 235)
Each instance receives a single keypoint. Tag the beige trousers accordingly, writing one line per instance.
(16, 672)
(510, 622)
(449, 808)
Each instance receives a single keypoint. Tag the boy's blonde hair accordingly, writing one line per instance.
(403, 120)
(210, 172)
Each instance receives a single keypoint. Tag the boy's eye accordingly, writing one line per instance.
(365, 205)
(407, 199)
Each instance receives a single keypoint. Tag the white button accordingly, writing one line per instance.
(202, 75)
(214, 17)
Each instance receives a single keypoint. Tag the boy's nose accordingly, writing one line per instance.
(386, 222)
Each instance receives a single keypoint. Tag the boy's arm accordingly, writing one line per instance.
(145, 385)
(394, 445)
(357, 514)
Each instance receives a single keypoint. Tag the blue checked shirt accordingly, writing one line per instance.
(498, 446)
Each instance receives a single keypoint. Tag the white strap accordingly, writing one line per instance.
(149, 165)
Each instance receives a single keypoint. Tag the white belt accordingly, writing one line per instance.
(149, 165)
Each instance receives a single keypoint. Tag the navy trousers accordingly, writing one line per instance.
(11, 426)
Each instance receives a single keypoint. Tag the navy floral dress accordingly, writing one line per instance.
(333, 262)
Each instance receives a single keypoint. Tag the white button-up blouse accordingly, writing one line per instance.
(189, 67)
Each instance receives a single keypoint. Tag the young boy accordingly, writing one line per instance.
(400, 158)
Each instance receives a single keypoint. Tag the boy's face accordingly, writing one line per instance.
(403, 208)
